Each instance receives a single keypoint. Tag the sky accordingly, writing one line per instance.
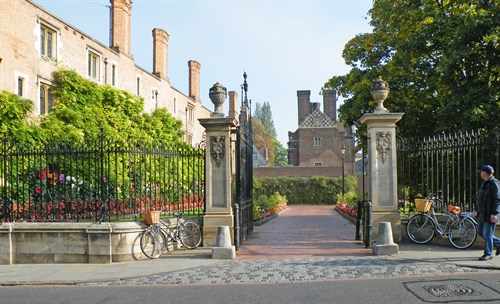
(283, 45)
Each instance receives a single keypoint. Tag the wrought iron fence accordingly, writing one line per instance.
(444, 166)
(98, 181)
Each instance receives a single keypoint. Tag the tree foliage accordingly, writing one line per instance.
(81, 109)
(264, 114)
(265, 134)
(441, 59)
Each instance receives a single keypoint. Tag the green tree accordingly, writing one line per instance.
(280, 154)
(441, 59)
(265, 115)
(263, 140)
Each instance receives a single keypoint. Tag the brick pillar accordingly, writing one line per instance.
(303, 100)
(160, 53)
(233, 104)
(194, 80)
(120, 25)
(330, 104)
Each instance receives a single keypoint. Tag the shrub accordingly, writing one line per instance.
(350, 199)
(300, 190)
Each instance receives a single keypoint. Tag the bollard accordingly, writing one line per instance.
(358, 222)
(385, 244)
(223, 248)
(368, 221)
(237, 226)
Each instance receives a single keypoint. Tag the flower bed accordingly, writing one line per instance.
(344, 208)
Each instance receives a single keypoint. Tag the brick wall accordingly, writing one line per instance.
(20, 24)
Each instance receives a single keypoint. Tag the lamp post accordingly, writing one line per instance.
(342, 152)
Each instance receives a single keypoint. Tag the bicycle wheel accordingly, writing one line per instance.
(153, 243)
(420, 229)
(190, 235)
(462, 234)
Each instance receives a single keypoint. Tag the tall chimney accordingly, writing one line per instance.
(303, 99)
(194, 79)
(160, 53)
(120, 23)
(233, 104)
(330, 104)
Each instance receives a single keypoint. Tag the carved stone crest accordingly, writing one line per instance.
(217, 148)
(383, 143)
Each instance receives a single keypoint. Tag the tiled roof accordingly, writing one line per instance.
(317, 119)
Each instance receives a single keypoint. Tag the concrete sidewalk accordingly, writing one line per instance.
(307, 234)
(437, 252)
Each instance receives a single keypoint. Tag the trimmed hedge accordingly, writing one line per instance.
(316, 190)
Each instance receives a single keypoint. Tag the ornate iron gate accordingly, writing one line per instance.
(244, 171)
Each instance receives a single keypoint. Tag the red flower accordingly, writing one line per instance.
(43, 174)
(38, 190)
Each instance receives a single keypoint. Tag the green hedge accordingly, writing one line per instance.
(304, 190)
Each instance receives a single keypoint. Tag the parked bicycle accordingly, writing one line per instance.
(460, 228)
(157, 237)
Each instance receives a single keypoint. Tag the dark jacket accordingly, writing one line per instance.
(489, 199)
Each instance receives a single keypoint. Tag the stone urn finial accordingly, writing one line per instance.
(218, 94)
(379, 91)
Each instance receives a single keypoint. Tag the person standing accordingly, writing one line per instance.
(488, 211)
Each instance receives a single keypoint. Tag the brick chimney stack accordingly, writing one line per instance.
(194, 80)
(160, 53)
(120, 22)
(330, 104)
(304, 100)
(233, 104)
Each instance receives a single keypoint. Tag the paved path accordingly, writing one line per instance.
(303, 232)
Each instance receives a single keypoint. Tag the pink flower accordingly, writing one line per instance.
(38, 190)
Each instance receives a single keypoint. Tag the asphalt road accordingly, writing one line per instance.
(462, 288)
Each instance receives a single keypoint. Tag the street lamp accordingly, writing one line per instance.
(342, 152)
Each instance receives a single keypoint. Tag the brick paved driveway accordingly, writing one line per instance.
(303, 232)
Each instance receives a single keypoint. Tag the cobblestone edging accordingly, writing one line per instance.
(267, 219)
(295, 270)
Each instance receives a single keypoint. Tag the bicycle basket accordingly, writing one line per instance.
(151, 217)
(423, 205)
(453, 209)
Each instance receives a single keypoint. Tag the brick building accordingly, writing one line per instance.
(319, 138)
(35, 43)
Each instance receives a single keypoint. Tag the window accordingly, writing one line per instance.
(113, 75)
(94, 65)
(191, 114)
(138, 91)
(189, 139)
(318, 164)
(317, 141)
(175, 106)
(48, 38)
(20, 86)
(46, 98)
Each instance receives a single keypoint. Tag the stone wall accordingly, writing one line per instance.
(32, 243)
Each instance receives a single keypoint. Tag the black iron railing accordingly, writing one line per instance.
(445, 166)
(98, 181)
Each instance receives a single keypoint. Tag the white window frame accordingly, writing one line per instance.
(318, 164)
(97, 77)
(114, 73)
(25, 78)
(138, 84)
(317, 142)
(49, 85)
(55, 43)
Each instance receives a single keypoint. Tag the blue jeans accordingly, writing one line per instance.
(486, 230)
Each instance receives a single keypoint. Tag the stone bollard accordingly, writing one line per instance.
(223, 248)
(385, 245)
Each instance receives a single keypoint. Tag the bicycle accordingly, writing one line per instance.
(155, 239)
(460, 229)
